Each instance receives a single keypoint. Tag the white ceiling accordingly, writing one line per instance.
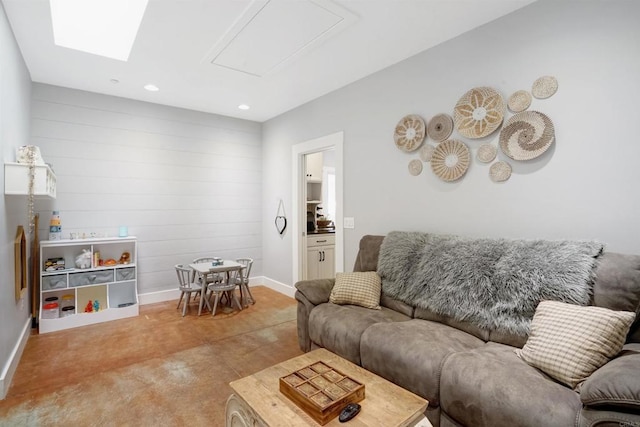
(274, 55)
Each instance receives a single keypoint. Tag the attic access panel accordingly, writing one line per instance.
(270, 33)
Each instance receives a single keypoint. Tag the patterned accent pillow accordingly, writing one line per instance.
(569, 342)
(359, 288)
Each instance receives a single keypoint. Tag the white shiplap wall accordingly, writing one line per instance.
(186, 183)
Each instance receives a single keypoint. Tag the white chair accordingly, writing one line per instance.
(210, 277)
(223, 288)
(244, 283)
(186, 285)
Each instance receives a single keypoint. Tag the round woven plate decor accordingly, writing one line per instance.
(479, 112)
(486, 153)
(440, 127)
(519, 101)
(426, 152)
(415, 167)
(450, 160)
(500, 171)
(409, 132)
(544, 87)
(527, 135)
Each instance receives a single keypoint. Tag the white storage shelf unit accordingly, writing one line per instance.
(114, 287)
(16, 180)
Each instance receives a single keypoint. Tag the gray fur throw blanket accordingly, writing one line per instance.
(495, 284)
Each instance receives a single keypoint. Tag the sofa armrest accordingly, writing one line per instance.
(309, 294)
(616, 383)
(315, 291)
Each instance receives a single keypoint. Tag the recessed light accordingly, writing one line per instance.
(243, 107)
(114, 81)
(151, 88)
(106, 28)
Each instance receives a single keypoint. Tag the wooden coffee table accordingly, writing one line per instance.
(257, 401)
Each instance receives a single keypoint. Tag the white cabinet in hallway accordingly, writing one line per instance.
(320, 256)
(314, 167)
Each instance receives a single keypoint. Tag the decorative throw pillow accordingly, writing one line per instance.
(358, 288)
(569, 342)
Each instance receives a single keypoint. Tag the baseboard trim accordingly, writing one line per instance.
(159, 296)
(277, 286)
(174, 294)
(14, 359)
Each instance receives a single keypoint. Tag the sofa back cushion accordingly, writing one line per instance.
(367, 258)
(470, 328)
(617, 287)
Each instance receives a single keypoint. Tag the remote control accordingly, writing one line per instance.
(349, 411)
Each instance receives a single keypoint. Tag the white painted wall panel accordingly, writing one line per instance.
(15, 90)
(187, 184)
(583, 188)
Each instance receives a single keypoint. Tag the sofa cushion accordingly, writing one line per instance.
(411, 353)
(359, 288)
(338, 328)
(569, 341)
(490, 386)
(617, 383)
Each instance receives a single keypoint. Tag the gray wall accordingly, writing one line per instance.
(15, 88)
(187, 184)
(584, 187)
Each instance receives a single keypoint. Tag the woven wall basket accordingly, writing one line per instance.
(527, 135)
(426, 152)
(487, 153)
(479, 112)
(440, 127)
(409, 132)
(450, 160)
(500, 171)
(415, 167)
(544, 87)
(519, 101)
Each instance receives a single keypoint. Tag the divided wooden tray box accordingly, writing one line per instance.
(321, 391)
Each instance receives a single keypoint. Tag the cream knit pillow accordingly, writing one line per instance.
(358, 288)
(569, 342)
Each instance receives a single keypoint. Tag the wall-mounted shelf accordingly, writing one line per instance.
(16, 180)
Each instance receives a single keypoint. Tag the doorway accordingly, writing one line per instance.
(330, 144)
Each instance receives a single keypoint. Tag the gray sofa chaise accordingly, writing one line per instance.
(468, 369)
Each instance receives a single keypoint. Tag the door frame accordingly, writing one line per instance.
(333, 141)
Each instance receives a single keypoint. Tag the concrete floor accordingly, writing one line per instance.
(157, 369)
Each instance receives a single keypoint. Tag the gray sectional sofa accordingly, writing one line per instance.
(467, 369)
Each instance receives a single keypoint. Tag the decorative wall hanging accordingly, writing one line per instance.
(479, 112)
(450, 160)
(281, 218)
(519, 101)
(500, 171)
(487, 153)
(527, 135)
(440, 127)
(426, 152)
(415, 167)
(20, 262)
(409, 133)
(544, 87)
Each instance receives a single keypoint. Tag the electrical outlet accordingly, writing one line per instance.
(349, 222)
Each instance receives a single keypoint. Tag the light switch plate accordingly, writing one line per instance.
(348, 222)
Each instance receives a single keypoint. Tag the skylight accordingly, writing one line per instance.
(101, 27)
